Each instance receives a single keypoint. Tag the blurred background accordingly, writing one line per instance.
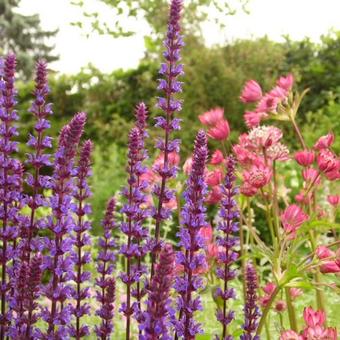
(104, 57)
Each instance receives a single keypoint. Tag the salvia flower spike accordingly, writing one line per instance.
(170, 86)
(227, 241)
(191, 257)
(105, 267)
(82, 238)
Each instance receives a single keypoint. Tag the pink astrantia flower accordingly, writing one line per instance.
(290, 335)
(269, 288)
(263, 137)
(330, 267)
(268, 103)
(251, 92)
(244, 156)
(278, 152)
(254, 118)
(217, 157)
(311, 175)
(220, 131)
(214, 195)
(187, 166)
(305, 157)
(207, 234)
(214, 177)
(280, 306)
(313, 317)
(278, 92)
(292, 218)
(258, 176)
(328, 161)
(324, 142)
(247, 190)
(286, 82)
(323, 252)
(334, 200)
(295, 293)
(303, 198)
(212, 117)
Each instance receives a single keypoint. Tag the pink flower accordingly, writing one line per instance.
(269, 288)
(292, 218)
(251, 92)
(263, 137)
(333, 175)
(258, 176)
(330, 267)
(220, 131)
(314, 318)
(290, 335)
(217, 157)
(303, 198)
(280, 306)
(278, 152)
(323, 252)
(295, 292)
(268, 103)
(324, 142)
(311, 175)
(212, 117)
(253, 118)
(215, 195)
(247, 190)
(286, 82)
(214, 177)
(327, 161)
(334, 200)
(172, 204)
(187, 166)
(207, 234)
(173, 159)
(305, 157)
(244, 156)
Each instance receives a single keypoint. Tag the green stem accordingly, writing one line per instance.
(291, 311)
(298, 132)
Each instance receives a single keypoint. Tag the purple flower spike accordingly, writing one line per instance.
(191, 258)
(106, 260)
(11, 172)
(82, 238)
(170, 86)
(61, 224)
(156, 322)
(228, 226)
(251, 310)
(133, 226)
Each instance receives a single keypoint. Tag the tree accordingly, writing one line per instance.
(23, 35)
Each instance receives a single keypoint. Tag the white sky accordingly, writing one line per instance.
(298, 18)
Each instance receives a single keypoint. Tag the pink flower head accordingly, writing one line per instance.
(172, 204)
(254, 118)
(319, 333)
(305, 157)
(214, 177)
(280, 306)
(311, 175)
(303, 198)
(323, 252)
(279, 93)
(327, 161)
(330, 267)
(212, 251)
(251, 92)
(278, 152)
(268, 103)
(215, 195)
(286, 82)
(212, 117)
(243, 155)
(207, 234)
(264, 136)
(292, 218)
(258, 176)
(187, 166)
(173, 159)
(295, 292)
(313, 317)
(334, 200)
(290, 335)
(217, 157)
(220, 131)
(324, 142)
(269, 288)
(247, 190)
(333, 175)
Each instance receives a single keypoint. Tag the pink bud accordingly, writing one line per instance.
(295, 292)
(187, 166)
(324, 142)
(290, 335)
(269, 288)
(212, 117)
(220, 131)
(314, 318)
(280, 306)
(258, 176)
(330, 267)
(323, 252)
(268, 103)
(311, 175)
(286, 82)
(292, 218)
(334, 200)
(215, 195)
(251, 92)
(305, 157)
(214, 177)
(217, 157)
(247, 190)
(206, 233)
(253, 118)
(303, 198)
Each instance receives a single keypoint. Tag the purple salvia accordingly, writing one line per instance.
(156, 323)
(191, 257)
(170, 86)
(82, 239)
(251, 309)
(38, 160)
(10, 181)
(228, 226)
(61, 224)
(106, 261)
(133, 226)
(107, 310)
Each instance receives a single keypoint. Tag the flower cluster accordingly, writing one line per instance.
(227, 255)
(218, 127)
(191, 258)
